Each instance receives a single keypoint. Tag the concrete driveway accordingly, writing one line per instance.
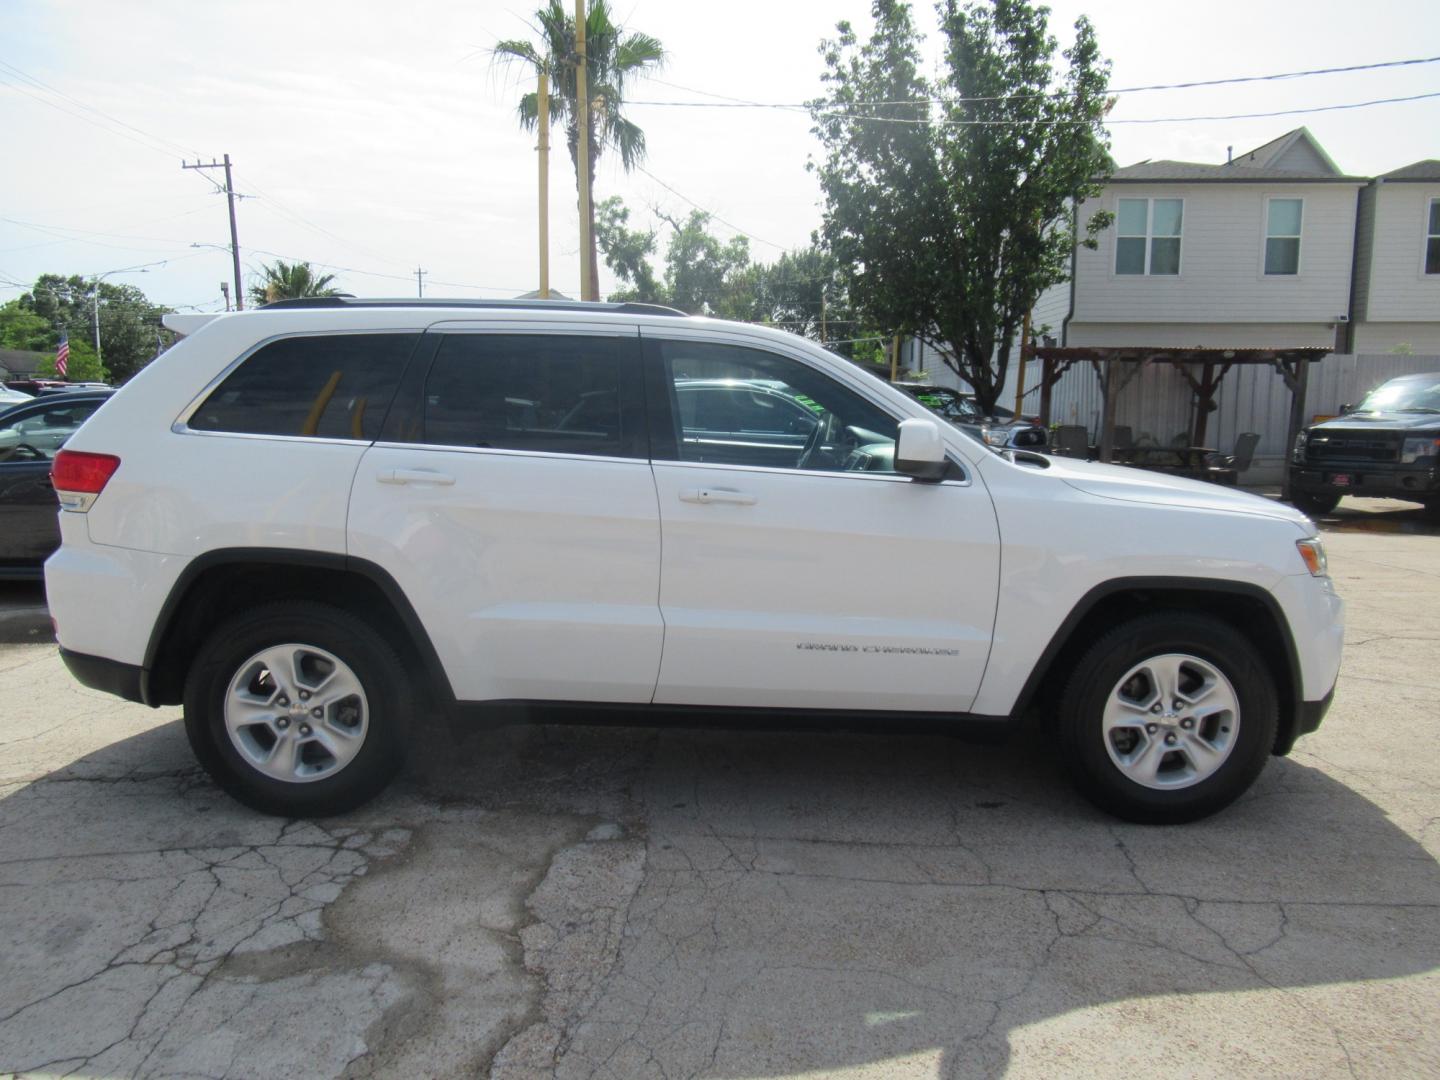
(623, 903)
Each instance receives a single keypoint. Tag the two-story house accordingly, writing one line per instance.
(1396, 301)
(1254, 252)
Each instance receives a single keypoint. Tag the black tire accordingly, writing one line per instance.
(387, 691)
(1315, 504)
(1099, 672)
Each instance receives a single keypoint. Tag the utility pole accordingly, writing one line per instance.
(234, 234)
(542, 105)
(420, 282)
(582, 151)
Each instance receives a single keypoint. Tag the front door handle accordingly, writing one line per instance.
(717, 495)
(414, 476)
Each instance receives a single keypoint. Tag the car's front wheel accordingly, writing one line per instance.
(1168, 718)
(297, 709)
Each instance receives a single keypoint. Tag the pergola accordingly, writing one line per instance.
(1203, 368)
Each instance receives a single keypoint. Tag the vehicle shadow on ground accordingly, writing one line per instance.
(814, 902)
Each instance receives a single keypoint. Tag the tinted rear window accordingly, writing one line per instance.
(335, 386)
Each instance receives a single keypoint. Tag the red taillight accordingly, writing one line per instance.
(79, 477)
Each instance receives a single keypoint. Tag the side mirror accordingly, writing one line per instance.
(920, 451)
(1346, 408)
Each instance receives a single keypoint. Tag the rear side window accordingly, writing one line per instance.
(335, 386)
(556, 393)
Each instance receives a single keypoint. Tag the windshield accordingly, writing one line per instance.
(1420, 395)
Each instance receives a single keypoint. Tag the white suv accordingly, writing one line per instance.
(314, 523)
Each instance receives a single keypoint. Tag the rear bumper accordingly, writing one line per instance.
(101, 673)
(1375, 481)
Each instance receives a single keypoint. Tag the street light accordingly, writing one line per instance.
(143, 268)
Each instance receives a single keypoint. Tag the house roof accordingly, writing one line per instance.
(1296, 149)
(1294, 157)
(1420, 170)
(1198, 172)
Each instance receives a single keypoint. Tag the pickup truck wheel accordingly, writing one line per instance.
(1313, 503)
(295, 709)
(1168, 718)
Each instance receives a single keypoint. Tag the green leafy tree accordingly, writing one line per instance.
(131, 333)
(83, 365)
(290, 281)
(613, 59)
(21, 328)
(948, 200)
(802, 291)
(707, 276)
(627, 253)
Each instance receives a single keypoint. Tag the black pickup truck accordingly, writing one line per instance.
(1386, 447)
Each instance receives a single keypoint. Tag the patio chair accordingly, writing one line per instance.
(1226, 468)
(1072, 440)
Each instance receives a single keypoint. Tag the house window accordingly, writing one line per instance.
(1148, 236)
(1432, 239)
(1282, 236)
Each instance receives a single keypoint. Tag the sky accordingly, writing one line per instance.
(371, 138)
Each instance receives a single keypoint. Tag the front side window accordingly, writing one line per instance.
(550, 393)
(1148, 236)
(334, 386)
(739, 406)
(1432, 239)
(1282, 235)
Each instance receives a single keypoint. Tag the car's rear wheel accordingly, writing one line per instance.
(1168, 718)
(297, 709)
(1315, 504)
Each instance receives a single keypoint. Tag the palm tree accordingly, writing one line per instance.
(290, 281)
(612, 59)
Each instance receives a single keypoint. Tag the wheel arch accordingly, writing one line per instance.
(227, 580)
(1251, 610)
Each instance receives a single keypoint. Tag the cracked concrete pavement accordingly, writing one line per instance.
(625, 903)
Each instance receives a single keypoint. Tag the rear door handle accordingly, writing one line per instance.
(414, 476)
(717, 495)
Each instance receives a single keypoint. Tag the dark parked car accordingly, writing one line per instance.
(1387, 447)
(999, 428)
(30, 434)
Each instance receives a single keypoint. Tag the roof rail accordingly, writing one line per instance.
(446, 302)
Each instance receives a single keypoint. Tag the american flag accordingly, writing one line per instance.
(62, 354)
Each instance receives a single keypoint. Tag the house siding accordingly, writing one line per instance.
(1204, 335)
(1399, 290)
(1420, 338)
(1222, 277)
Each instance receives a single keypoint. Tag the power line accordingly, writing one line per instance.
(703, 210)
(15, 72)
(726, 101)
(1138, 120)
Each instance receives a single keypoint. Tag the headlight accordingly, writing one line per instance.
(1297, 455)
(1312, 552)
(995, 436)
(1418, 447)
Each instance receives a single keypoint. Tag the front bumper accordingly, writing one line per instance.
(1366, 479)
(1308, 715)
